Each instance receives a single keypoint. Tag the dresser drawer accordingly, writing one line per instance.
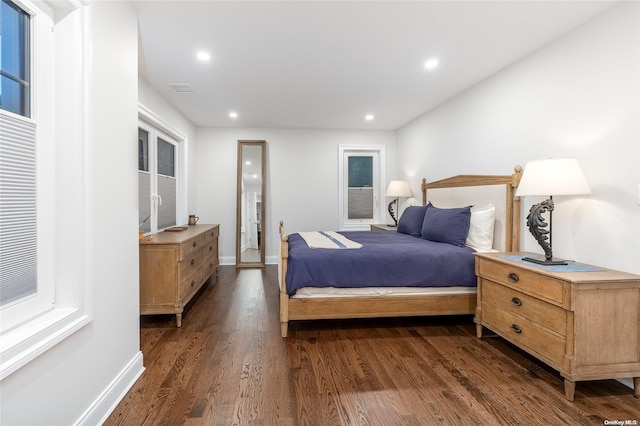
(210, 250)
(537, 311)
(209, 260)
(211, 235)
(190, 284)
(545, 344)
(208, 268)
(520, 279)
(189, 264)
(189, 246)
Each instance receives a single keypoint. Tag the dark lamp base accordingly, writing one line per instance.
(545, 261)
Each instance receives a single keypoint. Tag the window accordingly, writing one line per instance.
(361, 176)
(14, 59)
(360, 195)
(144, 181)
(18, 214)
(158, 178)
(43, 179)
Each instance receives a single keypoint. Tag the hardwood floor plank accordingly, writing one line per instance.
(227, 365)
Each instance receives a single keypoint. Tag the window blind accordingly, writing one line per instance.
(167, 190)
(360, 205)
(18, 233)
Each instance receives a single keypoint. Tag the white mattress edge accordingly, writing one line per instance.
(310, 292)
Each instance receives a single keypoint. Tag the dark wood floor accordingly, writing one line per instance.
(228, 365)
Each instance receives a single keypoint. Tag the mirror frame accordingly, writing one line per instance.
(262, 144)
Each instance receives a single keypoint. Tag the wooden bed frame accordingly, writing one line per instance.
(401, 305)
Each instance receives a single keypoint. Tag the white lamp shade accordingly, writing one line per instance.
(398, 188)
(554, 176)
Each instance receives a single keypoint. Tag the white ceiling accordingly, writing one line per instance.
(326, 64)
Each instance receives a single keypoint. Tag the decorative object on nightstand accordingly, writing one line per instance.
(554, 176)
(397, 189)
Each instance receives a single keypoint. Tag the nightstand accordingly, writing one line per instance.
(383, 228)
(579, 319)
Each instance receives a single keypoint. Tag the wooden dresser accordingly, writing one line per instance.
(585, 323)
(173, 267)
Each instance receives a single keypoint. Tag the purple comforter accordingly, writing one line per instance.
(387, 259)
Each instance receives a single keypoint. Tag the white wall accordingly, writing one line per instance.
(577, 97)
(302, 179)
(79, 378)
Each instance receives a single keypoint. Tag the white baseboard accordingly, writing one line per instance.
(98, 412)
(227, 260)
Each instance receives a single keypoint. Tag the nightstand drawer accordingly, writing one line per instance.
(537, 311)
(520, 331)
(520, 279)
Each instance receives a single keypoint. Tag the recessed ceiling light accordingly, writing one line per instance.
(368, 117)
(203, 56)
(431, 64)
(233, 114)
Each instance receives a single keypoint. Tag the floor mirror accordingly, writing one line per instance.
(250, 206)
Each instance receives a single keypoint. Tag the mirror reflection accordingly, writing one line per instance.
(250, 204)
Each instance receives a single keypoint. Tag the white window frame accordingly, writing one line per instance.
(360, 224)
(63, 194)
(158, 127)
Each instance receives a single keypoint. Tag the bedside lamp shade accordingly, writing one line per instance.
(554, 176)
(549, 177)
(397, 189)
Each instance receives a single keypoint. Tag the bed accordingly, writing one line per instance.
(395, 293)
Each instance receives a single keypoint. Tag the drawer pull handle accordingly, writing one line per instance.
(195, 243)
(516, 328)
(514, 278)
(210, 248)
(193, 262)
(516, 301)
(194, 283)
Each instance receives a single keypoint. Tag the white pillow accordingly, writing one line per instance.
(480, 235)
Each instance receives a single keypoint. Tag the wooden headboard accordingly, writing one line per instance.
(512, 203)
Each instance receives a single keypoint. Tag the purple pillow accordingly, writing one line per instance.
(411, 220)
(446, 225)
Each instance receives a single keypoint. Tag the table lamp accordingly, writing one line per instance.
(550, 177)
(397, 189)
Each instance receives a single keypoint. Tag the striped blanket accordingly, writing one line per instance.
(328, 240)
